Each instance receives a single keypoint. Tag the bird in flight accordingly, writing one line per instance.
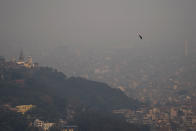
(140, 36)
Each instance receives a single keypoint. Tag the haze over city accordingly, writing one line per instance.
(143, 48)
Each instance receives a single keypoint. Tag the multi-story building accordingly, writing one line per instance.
(43, 125)
(24, 108)
(38, 123)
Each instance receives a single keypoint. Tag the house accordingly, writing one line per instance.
(69, 128)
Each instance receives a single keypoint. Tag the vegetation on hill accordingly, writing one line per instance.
(12, 121)
(78, 101)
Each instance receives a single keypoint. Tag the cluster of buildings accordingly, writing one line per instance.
(19, 65)
(22, 61)
(162, 118)
(43, 125)
(166, 86)
(161, 81)
(60, 126)
(25, 62)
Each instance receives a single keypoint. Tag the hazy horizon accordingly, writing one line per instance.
(42, 25)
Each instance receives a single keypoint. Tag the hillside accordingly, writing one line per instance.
(57, 97)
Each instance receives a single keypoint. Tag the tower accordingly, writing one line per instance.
(21, 56)
(186, 48)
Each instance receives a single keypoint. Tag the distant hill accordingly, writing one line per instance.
(57, 97)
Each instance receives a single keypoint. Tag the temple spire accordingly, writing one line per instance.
(21, 57)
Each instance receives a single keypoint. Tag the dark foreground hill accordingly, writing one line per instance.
(88, 104)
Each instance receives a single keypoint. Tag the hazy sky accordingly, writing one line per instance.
(36, 24)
